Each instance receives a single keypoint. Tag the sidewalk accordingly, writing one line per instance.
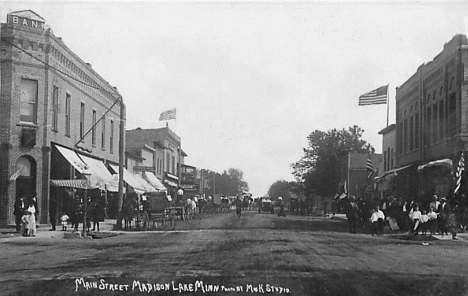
(42, 230)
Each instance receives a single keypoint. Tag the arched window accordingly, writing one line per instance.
(24, 164)
(434, 95)
(428, 98)
(451, 83)
(441, 92)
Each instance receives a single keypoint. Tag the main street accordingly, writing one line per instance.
(256, 254)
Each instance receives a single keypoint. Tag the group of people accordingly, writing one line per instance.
(438, 216)
(26, 211)
(191, 207)
(95, 212)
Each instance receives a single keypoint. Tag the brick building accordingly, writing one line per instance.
(432, 122)
(354, 172)
(168, 155)
(49, 100)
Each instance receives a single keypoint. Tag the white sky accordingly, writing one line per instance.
(250, 80)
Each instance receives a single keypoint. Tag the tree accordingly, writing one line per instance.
(279, 188)
(319, 168)
(228, 183)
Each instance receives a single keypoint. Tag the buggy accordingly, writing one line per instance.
(156, 211)
(265, 206)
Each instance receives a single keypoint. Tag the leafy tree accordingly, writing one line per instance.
(319, 168)
(279, 188)
(228, 183)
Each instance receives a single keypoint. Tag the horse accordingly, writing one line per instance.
(129, 211)
(246, 203)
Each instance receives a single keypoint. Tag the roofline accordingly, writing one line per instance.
(387, 129)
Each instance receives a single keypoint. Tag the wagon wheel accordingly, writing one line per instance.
(145, 220)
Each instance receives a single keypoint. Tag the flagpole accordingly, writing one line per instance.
(388, 103)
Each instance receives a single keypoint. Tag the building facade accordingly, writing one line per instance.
(432, 121)
(354, 172)
(168, 155)
(49, 98)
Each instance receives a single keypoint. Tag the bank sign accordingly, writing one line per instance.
(30, 23)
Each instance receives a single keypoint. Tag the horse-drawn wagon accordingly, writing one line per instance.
(150, 211)
(265, 205)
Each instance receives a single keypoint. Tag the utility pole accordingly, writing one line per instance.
(121, 162)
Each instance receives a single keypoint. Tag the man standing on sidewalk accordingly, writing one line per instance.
(18, 212)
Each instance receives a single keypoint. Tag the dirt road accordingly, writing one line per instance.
(219, 254)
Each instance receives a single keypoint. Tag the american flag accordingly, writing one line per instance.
(370, 170)
(168, 115)
(374, 97)
(458, 175)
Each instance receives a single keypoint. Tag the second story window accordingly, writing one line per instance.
(82, 120)
(111, 140)
(28, 101)
(93, 132)
(103, 132)
(67, 114)
(55, 108)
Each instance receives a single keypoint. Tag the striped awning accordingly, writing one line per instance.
(76, 183)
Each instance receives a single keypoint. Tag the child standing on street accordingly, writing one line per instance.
(64, 220)
(25, 221)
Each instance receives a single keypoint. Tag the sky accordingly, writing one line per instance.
(251, 80)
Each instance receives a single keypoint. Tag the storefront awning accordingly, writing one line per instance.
(139, 185)
(100, 176)
(72, 158)
(75, 183)
(391, 173)
(147, 186)
(170, 183)
(154, 181)
(441, 162)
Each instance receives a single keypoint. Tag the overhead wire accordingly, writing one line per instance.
(60, 71)
(119, 97)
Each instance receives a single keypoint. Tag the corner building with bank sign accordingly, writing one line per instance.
(50, 100)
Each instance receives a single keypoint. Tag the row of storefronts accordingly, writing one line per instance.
(62, 134)
(422, 150)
